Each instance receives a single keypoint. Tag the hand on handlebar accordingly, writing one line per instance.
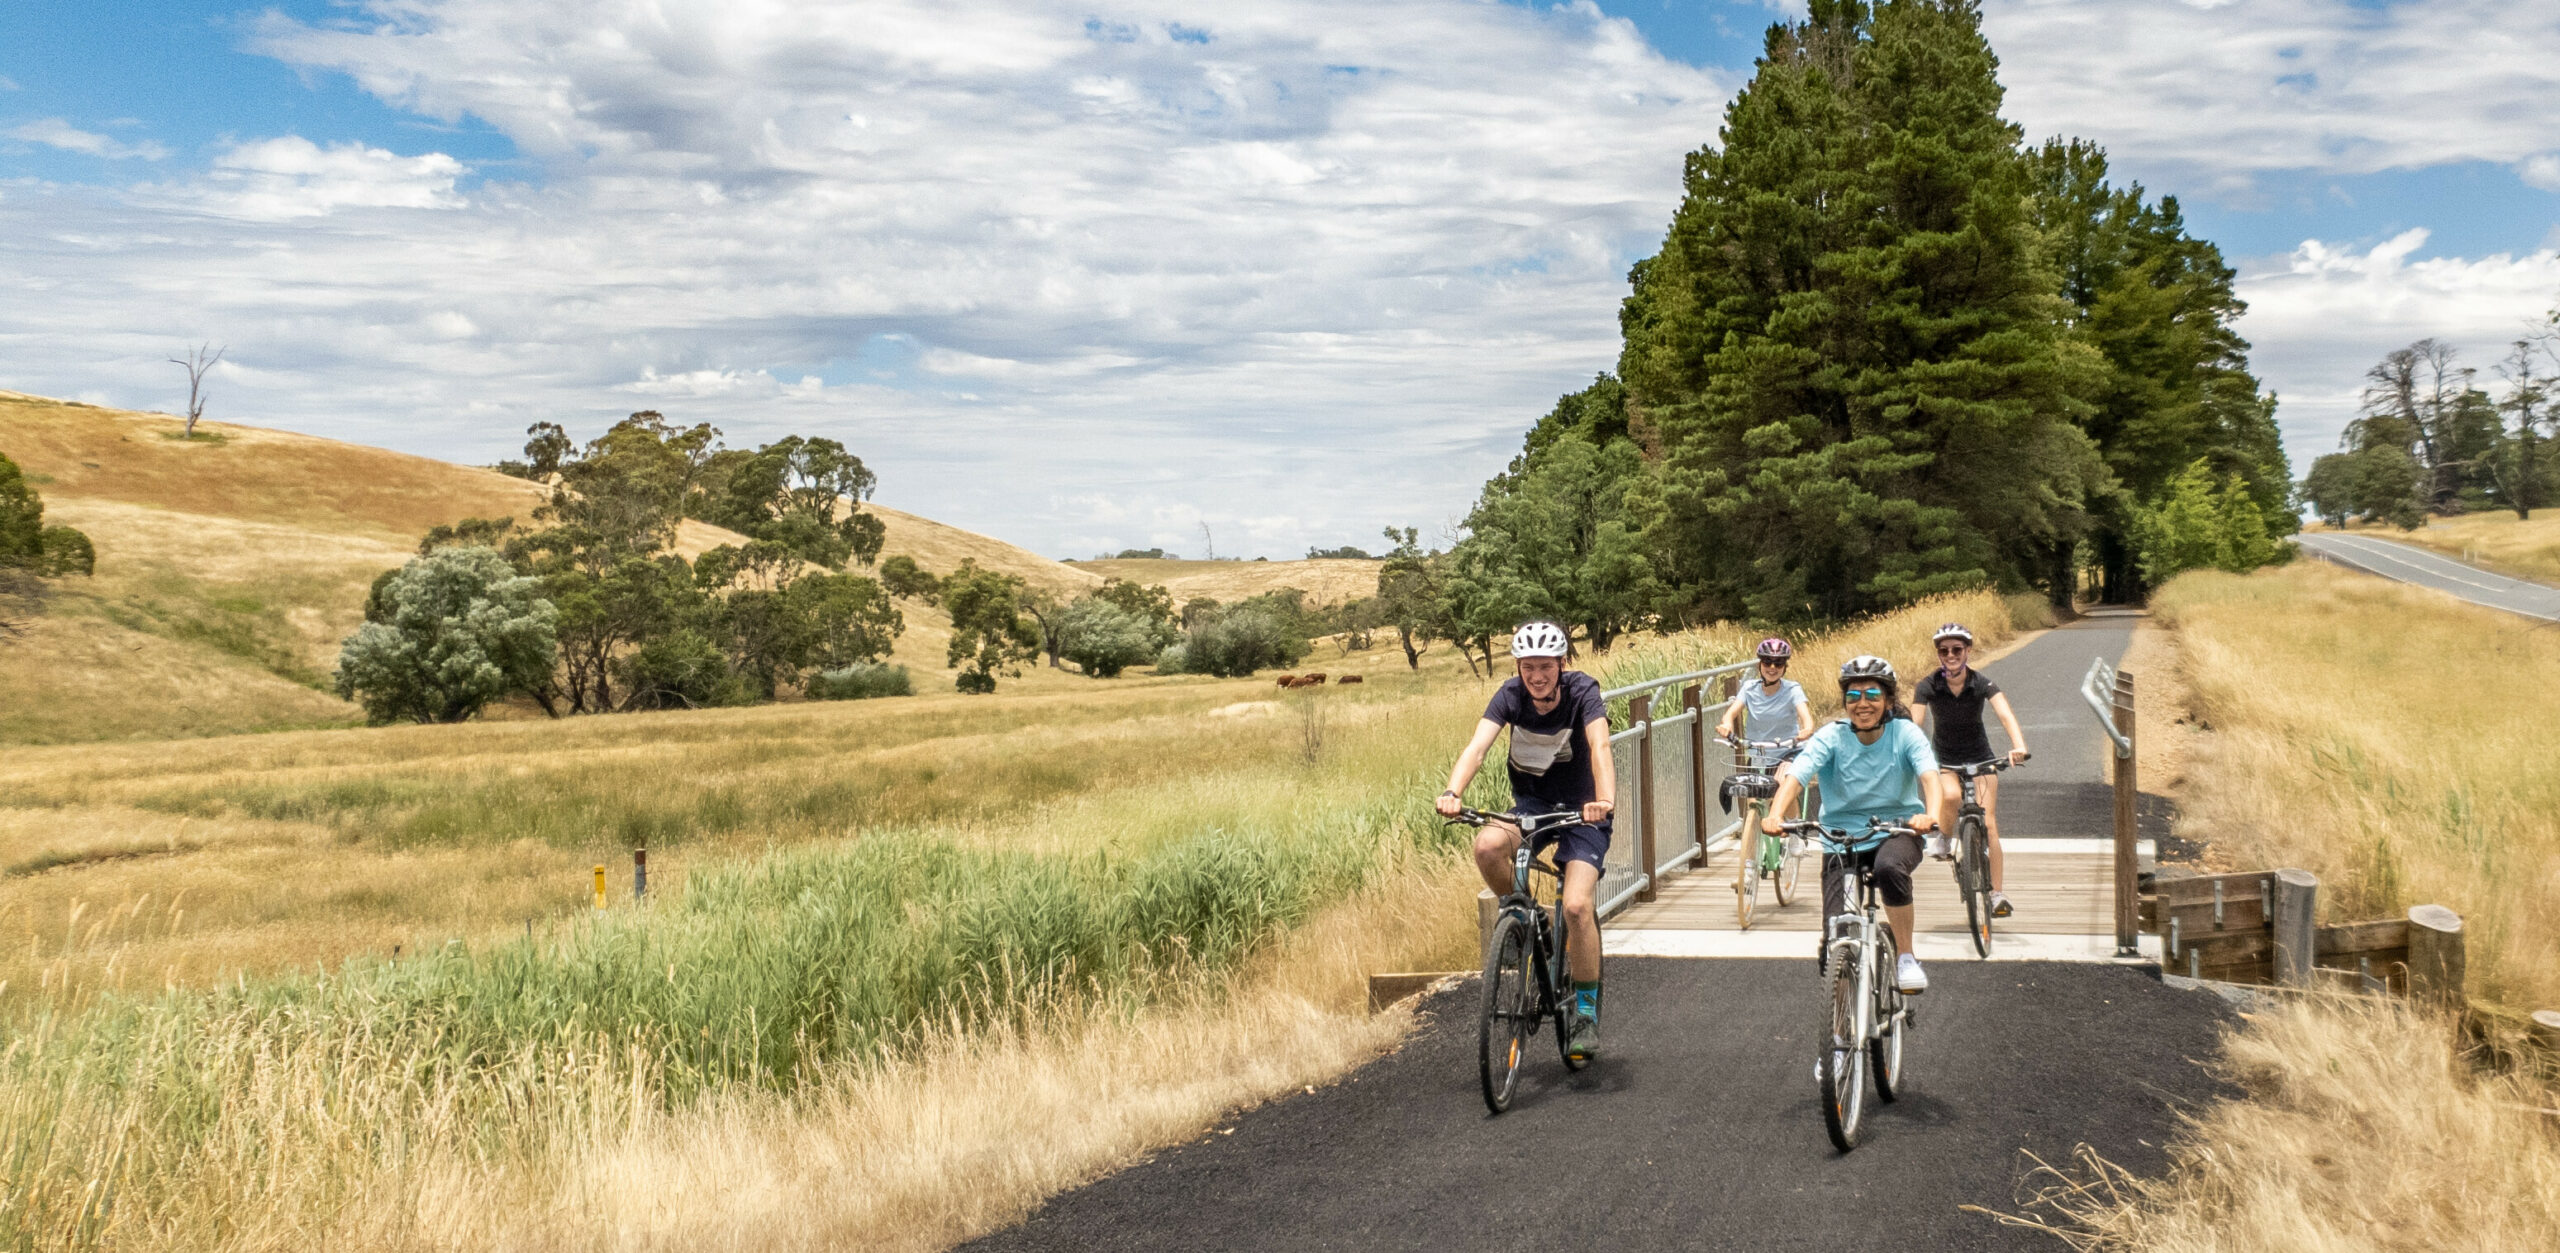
(1447, 805)
(1596, 812)
(1922, 823)
(2019, 756)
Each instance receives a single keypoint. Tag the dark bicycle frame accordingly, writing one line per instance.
(1973, 860)
(1550, 973)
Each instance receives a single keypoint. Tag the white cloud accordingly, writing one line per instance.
(53, 132)
(8, 84)
(2542, 170)
(2320, 316)
(291, 177)
(1328, 254)
(2231, 89)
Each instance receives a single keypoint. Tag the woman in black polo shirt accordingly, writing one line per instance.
(1954, 695)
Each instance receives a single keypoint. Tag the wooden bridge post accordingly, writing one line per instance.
(2293, 917)
(2435, 957)
(2128, 833)
(1691, 701)
(1640, 713)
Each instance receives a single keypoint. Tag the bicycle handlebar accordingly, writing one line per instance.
(1530, 824)
(1838, 838)
(1981, 768)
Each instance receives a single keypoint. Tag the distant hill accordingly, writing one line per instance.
(231, 567)
(1326, 581)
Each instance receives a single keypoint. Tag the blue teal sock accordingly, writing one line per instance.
(1586, 998)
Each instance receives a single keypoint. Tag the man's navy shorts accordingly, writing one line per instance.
(1581, 842)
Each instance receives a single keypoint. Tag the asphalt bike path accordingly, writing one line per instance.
(2064, 791)
(1698, 1127)
(2409, 563)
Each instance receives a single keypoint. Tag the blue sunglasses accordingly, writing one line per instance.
(1848, 694)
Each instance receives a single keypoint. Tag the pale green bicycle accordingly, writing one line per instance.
(1777, 861)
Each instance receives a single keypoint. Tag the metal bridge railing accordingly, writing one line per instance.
(1669, 769)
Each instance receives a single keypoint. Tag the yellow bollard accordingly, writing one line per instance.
(599, 885)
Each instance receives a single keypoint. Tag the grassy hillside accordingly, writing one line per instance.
(231, 566)
(1326, 581)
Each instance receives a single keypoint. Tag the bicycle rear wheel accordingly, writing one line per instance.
(1746, 865)
(1842, 1063)
(1510, 1012)
(1973, 879)
(1884, 1047)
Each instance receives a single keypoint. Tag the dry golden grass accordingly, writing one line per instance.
(2360, 1132)
(1325, 580)
(2390, 739)
(2526, 549)
(247, 473)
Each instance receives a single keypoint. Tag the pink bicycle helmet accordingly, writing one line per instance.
(1775, 649)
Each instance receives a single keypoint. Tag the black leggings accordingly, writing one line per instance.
(1894, 861)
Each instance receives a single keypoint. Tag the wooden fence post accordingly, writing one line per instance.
(2293, 915)
(2128, 833)
(2546, 1030)
(1485, 906)
(1640, 713)
(1692, 700)
(2435, 956)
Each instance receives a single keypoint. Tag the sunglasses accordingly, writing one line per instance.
(1774, 665)
(1957, 651)
(1852, 694)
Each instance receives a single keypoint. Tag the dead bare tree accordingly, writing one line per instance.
(196, 363)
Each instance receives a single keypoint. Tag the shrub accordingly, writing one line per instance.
(459, 628)
(1175, 659)
(860, 681)
(682, 669)
(1242, 641)
(1103, 638)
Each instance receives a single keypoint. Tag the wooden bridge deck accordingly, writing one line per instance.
(2063, 890)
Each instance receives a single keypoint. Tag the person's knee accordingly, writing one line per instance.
(1494, 844)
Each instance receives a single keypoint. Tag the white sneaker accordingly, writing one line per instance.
(1908, 976)
(1937, 849)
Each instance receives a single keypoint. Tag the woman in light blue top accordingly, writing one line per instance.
(1871, 764)
(1772, 709)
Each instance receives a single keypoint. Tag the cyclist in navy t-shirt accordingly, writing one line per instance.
(1559, 760)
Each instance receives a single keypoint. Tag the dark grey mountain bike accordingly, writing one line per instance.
(1972, 853)
(1526, 977)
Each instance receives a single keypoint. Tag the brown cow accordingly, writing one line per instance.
(1288, 679)
(1313, 678)
(1302, 681)
(1350, 678)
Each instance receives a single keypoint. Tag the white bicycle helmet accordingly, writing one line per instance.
(1538, 639)
(1952, 631)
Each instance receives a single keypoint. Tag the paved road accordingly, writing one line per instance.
(2409, 563)
(2064, 791)
(1698, 1128)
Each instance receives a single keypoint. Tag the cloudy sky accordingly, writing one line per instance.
(1088, 275)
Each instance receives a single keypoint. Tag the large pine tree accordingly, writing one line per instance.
(1850, 357)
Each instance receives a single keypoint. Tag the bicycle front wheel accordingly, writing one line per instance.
(1510, 1011)
(1746, 865)
(1884, 1046)
(1791, 857)
(1842, 1064)
(1563, 976)
(1973, 879)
